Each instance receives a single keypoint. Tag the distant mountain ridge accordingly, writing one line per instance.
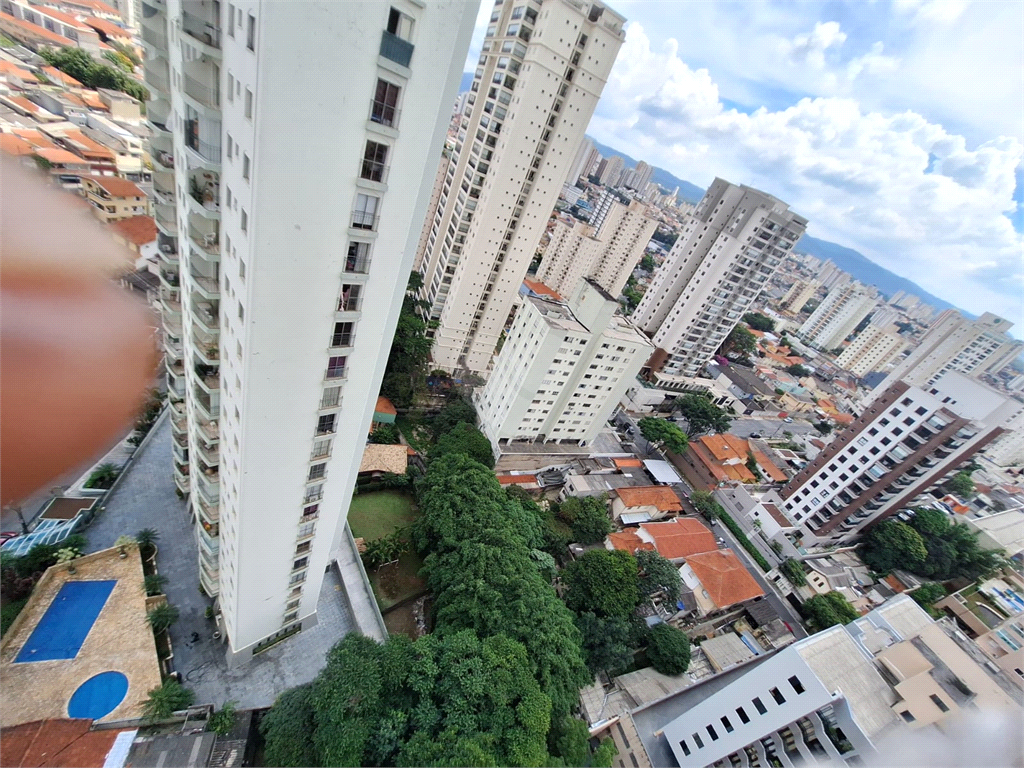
(847, 259)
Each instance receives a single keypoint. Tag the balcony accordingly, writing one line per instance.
(210, 430)
(209, 582)
(206, 316)
(366, 220)
(169, 278)
(208, 511)
(206, 346)
(207, 242)
(207, 287)
(210, 153)
(201, 30)
(204, 196)
(207, 94)
(155, 79)
(172, 347)
(180, 480)
(208, 377)
(155, 37)
(166, 218)
(395, 48)
(372, 170)
(208, 454)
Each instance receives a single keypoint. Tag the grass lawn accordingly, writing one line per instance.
(415, 430)
(376, 514)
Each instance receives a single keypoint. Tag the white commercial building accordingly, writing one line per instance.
(872, 348)
(538, 80)
(612, 171)
(281, 286)
(905, 442)
(727, 252)
(562, 370)
(608, 256)
(798, 295)
(838, 315)
(954, 343)
(1008, 450)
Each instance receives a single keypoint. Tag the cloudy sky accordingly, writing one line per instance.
(895, 126)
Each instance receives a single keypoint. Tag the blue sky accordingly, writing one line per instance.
(895, 126)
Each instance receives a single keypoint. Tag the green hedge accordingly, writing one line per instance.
(742, 539)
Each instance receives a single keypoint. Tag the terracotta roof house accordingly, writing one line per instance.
(537, 287)
(674, 540)
(378, 459)
(656, 501)
(712, 460)
(528, 482)
(113, 199)
(15, 145)
(716, 580)
(61, 743)
(135, 232)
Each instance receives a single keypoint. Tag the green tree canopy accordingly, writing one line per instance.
(704, 502)
(824, 611)
(759, 322)
(798, 370)
(952, 550)
(588, 518)
(92, 74)
(823, 427)
(385, 434)
(890, 545)
(702, 416)
(794, 571)
(647, 263)
(740, 341)
(663, 434)
(658, 574)
(668, 649)
(404, 375)
(464, 439)
(287, 729)
(961, 484)
(928, 593)
(605, 582)
(606, 643)
(458, 410)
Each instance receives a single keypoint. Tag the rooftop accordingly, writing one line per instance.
(34, 31)
(15, 145)
(681, 537)
(385, 406)
(116, 187)
(724, 577)
(538, 288)
(59, 742)
(384, 458)
(137, 229)
(58, 156)
(659, 496)
(517, 479)
(55, 75)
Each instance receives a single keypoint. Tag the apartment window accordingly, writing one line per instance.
(357, 260)
(250, 34)
(314, 493)
(374, 158)
(241, 311)
(297, 578)
(350, 300)
(364, 216)
(399, 24)
(712, 733)
(336, 367)
(311, 511)
(317, 471)
(231, 20)
(759, 706)
(331, 397)
(321, 448)
(742, 715)
(939, 703)
(685, 747)
(777, 695)
(797, 685)
(325, 424)
(245, 166)
(726, 724)
(343, 335)
(697, 740)
(905, 714)
(248, 102)
(231, 91)
(385, 104)
(241, 270)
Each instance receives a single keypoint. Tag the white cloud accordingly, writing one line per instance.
(861, 177)
(932, 11)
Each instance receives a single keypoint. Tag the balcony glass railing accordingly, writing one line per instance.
(201, 92)
(200, 29)
(154, 37)
(395, 48)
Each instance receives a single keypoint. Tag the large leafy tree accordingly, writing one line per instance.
(458, 410)
(668, 649)
(588, 518)
(464, 439)
(961, 484)
(704, 502)
(658, 575)
(891, 545)
(91, 73)
(702, 416)
(759, 322)
(606, 642)
(663, 434)
(405, 373)
(823, 611)
(604, 582)
(287, 729)
(740, 341)
(952, 550)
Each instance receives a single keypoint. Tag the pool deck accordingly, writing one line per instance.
(120, 640)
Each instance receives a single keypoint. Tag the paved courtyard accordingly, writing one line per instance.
(146, 498)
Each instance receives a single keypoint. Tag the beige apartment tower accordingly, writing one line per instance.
(540, 74)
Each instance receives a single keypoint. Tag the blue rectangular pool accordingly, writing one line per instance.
(66, 623)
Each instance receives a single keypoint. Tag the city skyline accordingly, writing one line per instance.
(830, 127)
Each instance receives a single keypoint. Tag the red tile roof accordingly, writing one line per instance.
(59, 156)
(115, 186)
(714, 450)
(385, 406)
(627, 463)
(93, 100)
(15, 145)
(628, 541)
(540, 289)
(138, 229)
(682, 537)
(517, 479)
(9, 68)
(768, 467)
(64, 18)
(724, 577)
(33, 31)
(107, 28)
(660, 496)
(64, 743)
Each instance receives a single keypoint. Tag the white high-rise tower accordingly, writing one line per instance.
(729, 249)
(292, 144)
(541, 71)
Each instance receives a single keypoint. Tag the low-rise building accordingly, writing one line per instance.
(716, 581)
(562, 369)
(645, 503)
(674, 540)
(114, 199)
(711, 460)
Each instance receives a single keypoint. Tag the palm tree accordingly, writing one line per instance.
(154, 584)
(166, 699)
(147, 539)
(162, 617)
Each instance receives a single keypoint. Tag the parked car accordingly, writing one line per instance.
(788, 419)
(755, 435)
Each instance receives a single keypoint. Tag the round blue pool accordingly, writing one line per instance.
(98, 696)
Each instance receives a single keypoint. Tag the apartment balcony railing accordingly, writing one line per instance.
(200, 30)
(208, 348)
(371, 170)
(210, 430)
(201, 92)
(364, 220)
(206, 241)
(384, 113)
(395, 48)
(207, 151)
(209, 511)
(155, 79)
(154, 37)
(165, 216)
(207, 287)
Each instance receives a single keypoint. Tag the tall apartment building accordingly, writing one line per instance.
(611, 174)
(562, 369)
(871, 349)
(849, 695)
(1008, 449)
(583, 162)
(538, 80)
(954, 343)
(839, 313)
(725, 255)
(908, 440)
(281, 294)
(608, 255)
(638, 178)
(799, 293)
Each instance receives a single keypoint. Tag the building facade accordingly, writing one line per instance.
(585, 159)
(612, 171)
(538, 80)
(607, 255)
(114, 199)
(954, 343)
(872, 349)
(281, 296)
(839, 313)
(562, 370)
(904, 443)
(798, 295)
(727, 252)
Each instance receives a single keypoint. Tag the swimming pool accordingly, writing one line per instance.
(98, 696)
(67, 622)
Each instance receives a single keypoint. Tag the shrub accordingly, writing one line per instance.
(103, 476)
(162, 617)
(154, 584)
(166, 699)
(223, 720)
(669, 650)
(744, 541)
(794, 571)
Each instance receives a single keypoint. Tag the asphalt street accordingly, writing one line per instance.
(770, 428)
